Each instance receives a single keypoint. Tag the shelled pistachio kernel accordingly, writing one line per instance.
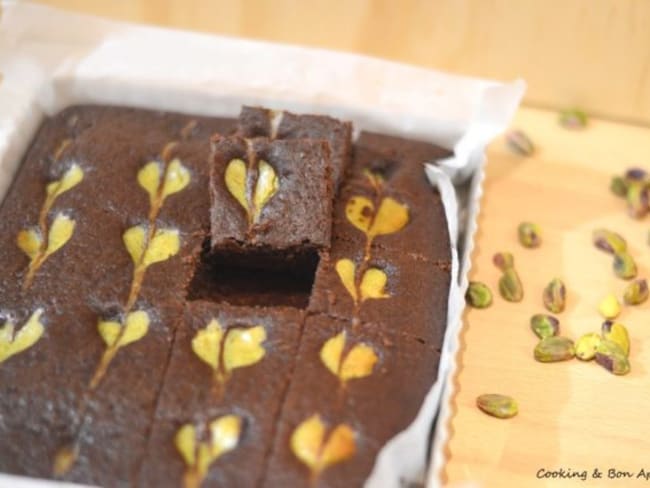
(637, 199)
(609, 307)
(520, 143)
(624, 266)
(573, 118)
(544, 325)
(609, 241)
(510, 286)
(553, 349)
(617, 333)
(586, 346)
(478, 295)
(500, 406)
(636, 292)
(618, 186)
(611, 357)
(503, 260)
(530, 235)
(554, 296)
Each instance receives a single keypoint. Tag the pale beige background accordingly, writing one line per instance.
(593, 53)
(590, 53)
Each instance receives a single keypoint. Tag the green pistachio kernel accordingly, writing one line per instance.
(500, 406)
(510, 286)
(587, 345)
(553, 349)
(636, 292)
(609, 307)
(611, 357)
(609, 241)
(544, 325)
(624, 266)
(554, 296)
(530, 235)
(573, 118)
(503, 260)
(478, 295)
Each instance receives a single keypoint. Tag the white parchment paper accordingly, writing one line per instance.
(50, 59)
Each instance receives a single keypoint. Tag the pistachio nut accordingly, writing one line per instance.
(510, 286)
(609, 241)
(544, 325)
(573, 119)
(637, 200)
(624, 266)
(586, 346)
(503, 260)
(636, 292)
(611, 357)
(554, 296)
(520, 143)
(609, 307)
(500, 406)
(530, 235)
(617, 333)
(618, 186)
(555, 348)
(478, 295)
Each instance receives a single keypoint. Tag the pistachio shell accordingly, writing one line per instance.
(618, 186)
(544, 325)
(555, 348)
(500, 406)
(637, 200)
(503, 260)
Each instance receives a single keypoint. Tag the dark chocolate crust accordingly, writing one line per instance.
(124, 429)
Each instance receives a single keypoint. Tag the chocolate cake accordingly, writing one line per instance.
(196, 301)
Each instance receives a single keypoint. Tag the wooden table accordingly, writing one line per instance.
(573, 415)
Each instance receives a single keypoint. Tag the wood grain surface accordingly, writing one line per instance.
(573, 416)
(591, 53)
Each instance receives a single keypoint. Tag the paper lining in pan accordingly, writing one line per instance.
(51, 59)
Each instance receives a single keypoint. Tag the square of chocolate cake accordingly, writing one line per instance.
(271, 200)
